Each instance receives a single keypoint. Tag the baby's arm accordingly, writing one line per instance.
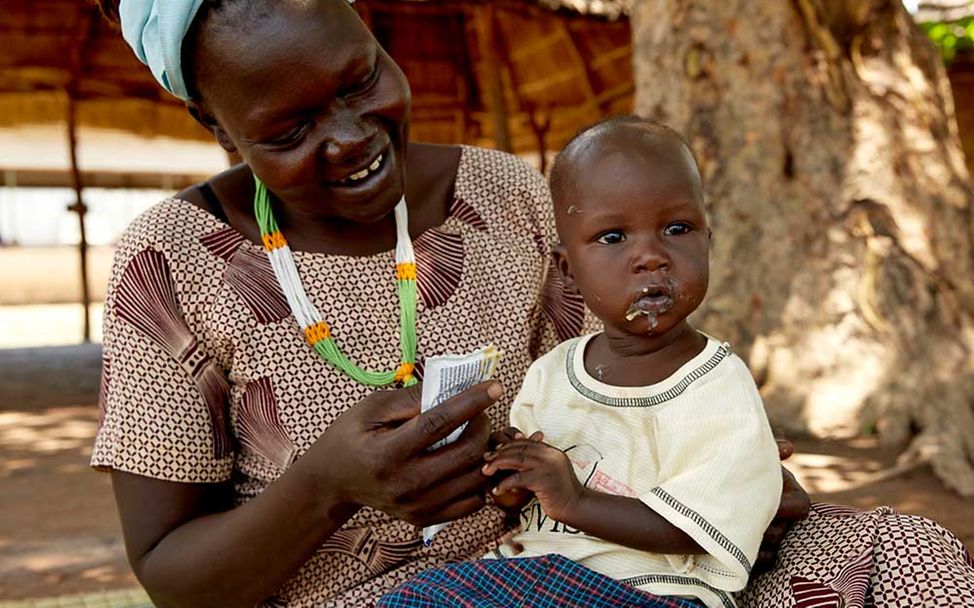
(546, 471)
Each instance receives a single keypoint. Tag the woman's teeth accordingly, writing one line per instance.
(364, 173)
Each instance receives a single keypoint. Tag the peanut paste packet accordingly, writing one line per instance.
(446, 376)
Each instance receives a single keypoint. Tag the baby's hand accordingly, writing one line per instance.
(513, 501)
(538, 468)
(504, 436)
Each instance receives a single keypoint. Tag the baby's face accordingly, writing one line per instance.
(635, 236)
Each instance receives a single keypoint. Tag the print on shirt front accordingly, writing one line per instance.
(585, 459)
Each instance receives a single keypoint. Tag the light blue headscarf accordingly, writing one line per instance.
(155, 30)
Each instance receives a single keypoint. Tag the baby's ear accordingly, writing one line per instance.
(560, 257)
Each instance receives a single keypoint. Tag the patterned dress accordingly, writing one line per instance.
(207, 378)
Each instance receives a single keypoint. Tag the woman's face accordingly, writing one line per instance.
(313, 105)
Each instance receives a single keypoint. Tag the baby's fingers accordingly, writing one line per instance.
(501, 463)
(520, 480)
(511, 460)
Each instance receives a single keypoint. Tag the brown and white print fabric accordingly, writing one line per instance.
(211, 381)
(842, 557)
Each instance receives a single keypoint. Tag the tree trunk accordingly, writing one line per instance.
(842, 267)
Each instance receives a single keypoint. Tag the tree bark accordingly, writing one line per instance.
(843, 266)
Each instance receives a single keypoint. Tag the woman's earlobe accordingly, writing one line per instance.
(212, 125)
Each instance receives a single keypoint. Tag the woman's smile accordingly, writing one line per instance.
(366, 178)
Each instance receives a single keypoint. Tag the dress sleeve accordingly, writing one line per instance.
(163, 401)
(719, 477)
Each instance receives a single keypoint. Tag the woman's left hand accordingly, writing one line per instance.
(794, 507)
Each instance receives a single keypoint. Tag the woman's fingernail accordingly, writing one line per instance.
(519, 435)
(496, 490)
(494, 391)
(485, 469)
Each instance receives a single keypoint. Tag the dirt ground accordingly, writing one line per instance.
(59, 532)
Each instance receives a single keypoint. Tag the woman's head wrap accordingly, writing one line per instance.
(155, 30)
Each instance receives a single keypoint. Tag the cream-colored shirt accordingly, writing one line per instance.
(696, 448)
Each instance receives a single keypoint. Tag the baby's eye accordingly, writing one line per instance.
(611, 237)
(677, 228)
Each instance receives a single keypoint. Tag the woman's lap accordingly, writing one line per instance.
(551, 581)
(841, 556)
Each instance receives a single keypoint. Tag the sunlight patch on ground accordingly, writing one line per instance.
(828, 473)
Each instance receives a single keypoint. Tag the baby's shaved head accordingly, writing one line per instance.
(625, 135)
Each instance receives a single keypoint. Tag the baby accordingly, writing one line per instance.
(642, 452)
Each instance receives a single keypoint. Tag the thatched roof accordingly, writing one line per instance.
(474, 67)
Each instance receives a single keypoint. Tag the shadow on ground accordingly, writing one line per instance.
(59, 531)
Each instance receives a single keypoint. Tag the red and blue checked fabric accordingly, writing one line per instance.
(550, 581)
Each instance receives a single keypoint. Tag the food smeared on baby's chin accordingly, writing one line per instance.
(653, 301)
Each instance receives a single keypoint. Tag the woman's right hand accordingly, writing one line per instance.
(375, 454)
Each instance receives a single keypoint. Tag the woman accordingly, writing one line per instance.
(246, 468)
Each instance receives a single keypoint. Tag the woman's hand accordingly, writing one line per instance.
(375, 454)
(538, 468)
(794, 507)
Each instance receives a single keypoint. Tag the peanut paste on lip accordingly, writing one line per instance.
(650, 307)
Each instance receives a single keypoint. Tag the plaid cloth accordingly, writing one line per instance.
(550, 581)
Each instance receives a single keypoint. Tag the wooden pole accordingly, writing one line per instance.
(489, 51)
(540, 123)
(85, 31)
(80, 208)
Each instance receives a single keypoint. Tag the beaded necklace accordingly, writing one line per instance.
(316, 331)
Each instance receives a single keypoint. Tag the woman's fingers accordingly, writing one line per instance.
(391, 407)
(775, 534)
(429, 427)
(451, 499)
(785, 449)
(795, 504)
(465, 483)
(460, 507)
(464, 453)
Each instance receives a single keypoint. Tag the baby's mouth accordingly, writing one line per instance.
(651, 301)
